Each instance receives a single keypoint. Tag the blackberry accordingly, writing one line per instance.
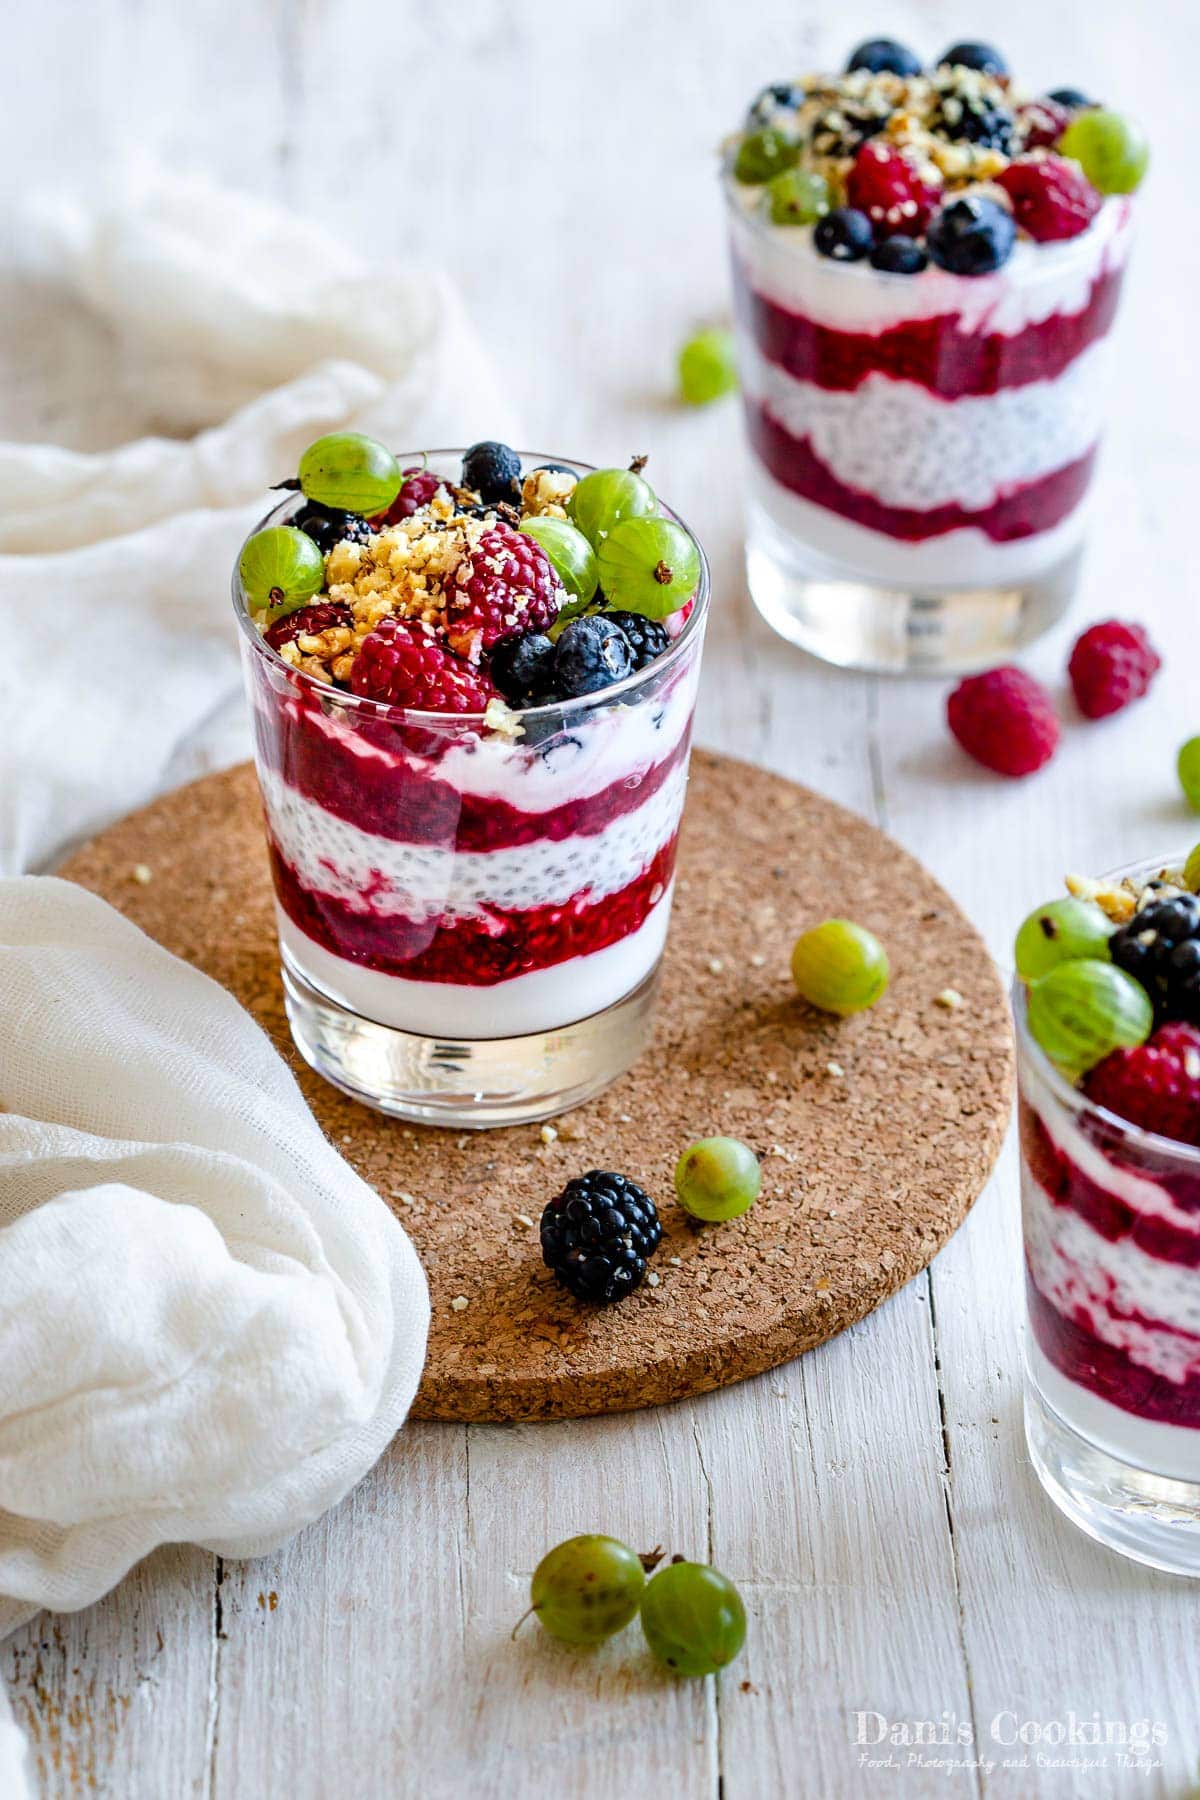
(597, 1234)
(779, 97)
(647, 638)
(523, 668)
(327, 526)
(1160, 947)
(493, 470)
(842, 128)
(591, 654)
(967, 117)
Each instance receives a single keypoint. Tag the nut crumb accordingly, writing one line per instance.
(459, 1303)
(676, 1262)
(950, 1000)
(142, 873)
(652, 1280)
(715, 965)
(523, 1219)
(835, 1069)
(404, 1197)
(548, 1134)
(758, 960)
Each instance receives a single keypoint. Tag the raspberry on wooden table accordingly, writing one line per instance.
(404, 663)
(505, 584)
(1156, 1086)
(1005, 720)
(1112, 663)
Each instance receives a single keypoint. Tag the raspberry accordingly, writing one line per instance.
(403, 663)
(1156, 1086)
(505, 584)
(886, 186)
(1111, 664)
(1051, 198)
(417, 490)
(307, 621)
(1005, 720)
(1042, 123)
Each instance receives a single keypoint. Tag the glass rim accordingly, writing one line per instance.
(388, 713)
(1072, 1098)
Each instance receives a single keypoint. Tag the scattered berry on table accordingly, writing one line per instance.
(884, 56)
(797, 197)
(350, 472)
(506, 584)
(1005, 720)
(1187, 766)
(1082, 1011)
(983, 57)
(840, 967)
(1160, 948)
(591, 654)
(651, 566)
(844, 235)
(717, 1178)
(604, 497)
(327, 526)
(693, 1618)
(570, 554)
(707, 366)
(899, 255)
(523, 668)
(1067, 930)
(403, 663)
(888, 186)
(1110, 147)
(493, 470)
(764, 155)
(1051, 197)
(1155, 1085)
(420, 485)
(586, 1589)
(281, 569)
(596, 1235)
(1111, 664)
(647, 638)
(971, 236)
(308, 621)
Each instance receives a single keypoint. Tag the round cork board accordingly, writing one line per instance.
(876, 1133)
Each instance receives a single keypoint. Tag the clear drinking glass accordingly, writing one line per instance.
(1112, 1261)
(470, 924)
(920, 446)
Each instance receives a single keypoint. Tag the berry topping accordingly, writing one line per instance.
(587, 1588)
(523, 668)
(327, 527)
(1160, 947)
(797, 197)
(899, 255)
(708, 363)
(281, 568)
(1187, 767)
(972, 236)
(570, 554)
(967, 117)
(1111, 664)
(842, 128)
(591, 654)
(983, 57)
(1041, 123)
(493, 470)
(1051, 198)
(505, 584)
(840, 967)
(597, 1234)
(1072, 98)
(887, 185)
(1155, 1085)
(308, 621)
(647, 638)
(1005, 720)
(781, 97)
(717, 1179)
(1110, 148)
(1069, 930)
(403, 663)
(1081, 1011)
(693, 1619)
(764, 155)
(649, 566)
(350, 472)
(420, 485)
(883, 56)
(606, 496)
(845, 234)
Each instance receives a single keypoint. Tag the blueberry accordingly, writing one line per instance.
(899, 255)
(971, 236)
(523, 667)
(555, 468)
(844, 234)
(647, 638)
(884, 56)
(493, 470)
(781, 96)
(975, 120)
(327, 526)
(591, 654)
(974, 56)
(1070, 97)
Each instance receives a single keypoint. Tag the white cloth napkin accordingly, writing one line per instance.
(209, 1326)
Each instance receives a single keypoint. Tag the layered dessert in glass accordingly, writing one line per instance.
(1108, 1018)
(473, 758)
(926, 267)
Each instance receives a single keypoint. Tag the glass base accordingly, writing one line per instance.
(1150, 1518)
(859, 623)
(467, 1085)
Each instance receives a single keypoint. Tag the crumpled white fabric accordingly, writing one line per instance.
(258, 333)
(209, 1326)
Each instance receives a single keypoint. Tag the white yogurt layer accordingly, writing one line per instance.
(906, 447)
(543, 1000)
(1038, 280)
(1147, 1444)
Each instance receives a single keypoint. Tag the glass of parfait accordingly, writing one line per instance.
(472, 760)
(1107, 1007)
(926, 266)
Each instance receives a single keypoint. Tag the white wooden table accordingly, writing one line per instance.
(873, 1500)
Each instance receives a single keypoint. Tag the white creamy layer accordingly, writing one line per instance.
(543, 1000)
(1147, 1444)
(609, 744)
(906, 447)
(1038, 280)
(1075, 1267)
(963, 558)
(380, 878)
